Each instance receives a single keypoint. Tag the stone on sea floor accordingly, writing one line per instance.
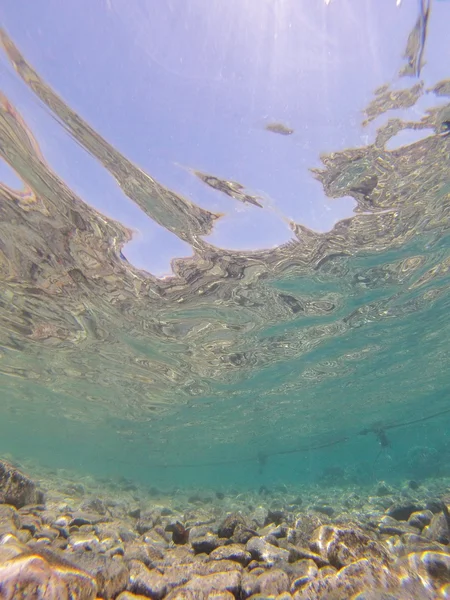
(420, 518)
(438, 529)
(234, 552)
(203, 540)
(306, 571)
(390, 526)
(261, 550)
(16, 488)
(344, 546)
(227, 527)
(242, 534)
(137, 550)
(111, 575)
(146, 582)
(402, 511)
(31, 576)
(204, 585)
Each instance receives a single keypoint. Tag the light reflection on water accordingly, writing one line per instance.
(250, 358)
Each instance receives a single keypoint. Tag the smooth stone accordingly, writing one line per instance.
(149, 555)
(420, 519)
(203, 585)
(203, 540)
(261, 550)
(233, 552)
(146, 582)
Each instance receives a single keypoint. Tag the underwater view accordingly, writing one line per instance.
(225, 299)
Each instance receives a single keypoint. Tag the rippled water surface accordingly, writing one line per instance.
(278, 352)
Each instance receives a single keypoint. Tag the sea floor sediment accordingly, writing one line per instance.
(66, 536)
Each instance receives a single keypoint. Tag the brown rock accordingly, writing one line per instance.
(16, 488)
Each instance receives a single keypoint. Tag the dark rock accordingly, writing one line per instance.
(420, 519)
(275, 516)
(234, 552)
(16, 488)
(391, 526)
(31, 523)
(261, 550)
(135, 513)
(220, 495)
(242, 534)
(434, 504)
(226, 529)
(203, 540)
(180, 535)
(413, 485)
(402, 512)
(145, 582)
(111, 575)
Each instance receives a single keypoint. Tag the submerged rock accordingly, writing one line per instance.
(16, 488)
(26, 576)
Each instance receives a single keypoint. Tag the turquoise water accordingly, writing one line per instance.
(324, 360)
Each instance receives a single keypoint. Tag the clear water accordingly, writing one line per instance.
(323, 359)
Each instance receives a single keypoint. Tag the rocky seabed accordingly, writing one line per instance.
(59, 540)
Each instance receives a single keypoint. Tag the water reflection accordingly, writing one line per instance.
(356, 313)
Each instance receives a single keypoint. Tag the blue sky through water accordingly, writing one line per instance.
(181, 85)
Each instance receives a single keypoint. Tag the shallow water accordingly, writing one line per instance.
(321, 359)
